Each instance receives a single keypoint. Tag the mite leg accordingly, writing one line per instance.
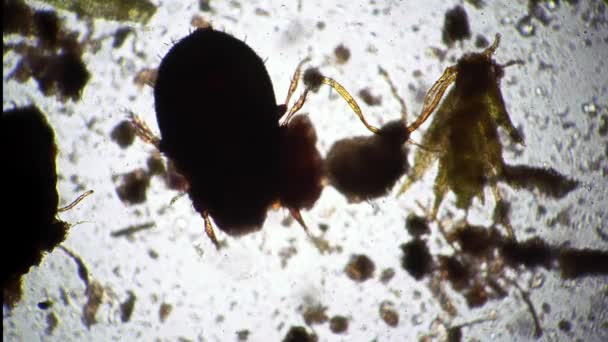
(76, 201)
(440, 189)
(433, 96)
(295, 213)
(209, 229)
(296, 107)
(143, 131)
(388, 80)
(350, 100)
(492, 48)
(499, 212)
(538, 330)
(295, 79)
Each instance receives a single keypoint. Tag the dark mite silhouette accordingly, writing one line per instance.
(221, 127)
(27, 144)
(367, 167)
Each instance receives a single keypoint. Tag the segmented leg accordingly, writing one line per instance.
(295, 79)
(433, 96)
(295, 213)
(76, 201)
(350, 100)
(387, 78)
(503, 218)
(296, 107)
(143, 131)
(209, 230)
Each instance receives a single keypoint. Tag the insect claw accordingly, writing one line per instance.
(295, 213)
(209, 230)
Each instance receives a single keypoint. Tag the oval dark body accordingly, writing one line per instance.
(367, 167)
(218, 118)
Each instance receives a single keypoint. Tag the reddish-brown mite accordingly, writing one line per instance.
(221, 127)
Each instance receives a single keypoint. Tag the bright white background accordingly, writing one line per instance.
(558, 109)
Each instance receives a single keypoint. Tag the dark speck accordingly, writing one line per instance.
(342, 54)
(455, 26)
(123, 134)
(338, 324)
(564, 325)
(360, 268)
(313, 78)
(133, 188)
(417, 259)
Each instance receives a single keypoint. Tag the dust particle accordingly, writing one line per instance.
(338, 324)
(342, 54)
(366, 95)
(360, 268)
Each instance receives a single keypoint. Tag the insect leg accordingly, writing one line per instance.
(209, 229)
(433, 96)
(143, 131)
(387, 78)
(295, 79)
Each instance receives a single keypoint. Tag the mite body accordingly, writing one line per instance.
(219, 123)
(367, 167)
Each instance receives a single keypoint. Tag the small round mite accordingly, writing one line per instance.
(367, 167)
(220, 127)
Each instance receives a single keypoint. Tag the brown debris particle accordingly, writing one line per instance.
(389, 314)
(164, 311)
(360, 268)
(338, 324)
(342, 54)
(366, 95)
(123, 134)
(133, 187)
(94, 295)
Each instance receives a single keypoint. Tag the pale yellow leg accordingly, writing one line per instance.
(209, 230)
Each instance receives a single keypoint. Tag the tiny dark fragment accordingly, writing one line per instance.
(164, 311)
(123, 134)
(126, 307)
(130, 230)
(366, 95)
(456, 271)
(243, 335)
(417, 259)
(313, 78)
(455, 26)
(389, 314)
(360, 268)
(155, 165)
(315, 314)
(45, 305)
(55, 61)
(27, 145)
(342, 54)
(386, 275)
(564, 325)
(417, 225)
(338, 324)
(133, 187)
(120, 36)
